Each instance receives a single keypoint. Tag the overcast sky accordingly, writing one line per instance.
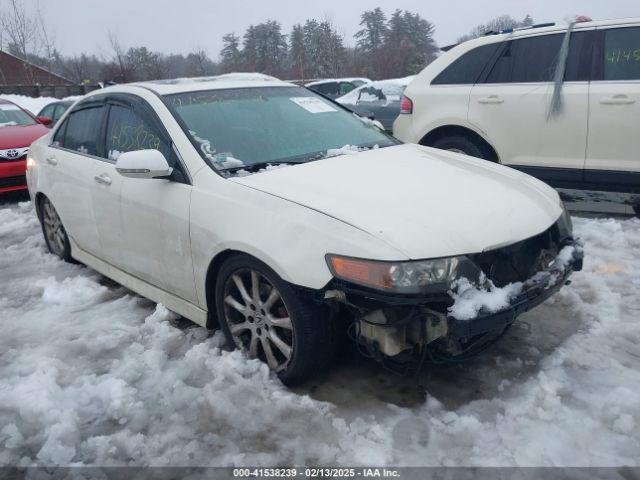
(182, 25)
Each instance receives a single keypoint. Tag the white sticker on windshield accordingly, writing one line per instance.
(9, 107)
(313, 105)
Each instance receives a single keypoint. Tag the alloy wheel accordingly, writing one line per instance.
(258, 318)
(53, 229)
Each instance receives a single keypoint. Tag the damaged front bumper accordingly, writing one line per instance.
(403, 327)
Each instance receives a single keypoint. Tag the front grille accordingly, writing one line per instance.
(6, 159)
(520, 261)
(13, 181)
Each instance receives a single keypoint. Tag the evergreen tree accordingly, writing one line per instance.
(499, 23)
(371, 37)
(230, 56)
(297, 53)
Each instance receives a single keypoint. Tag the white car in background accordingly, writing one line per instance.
(379, 100)
(336, 87)
(490, 98)
(259, 206)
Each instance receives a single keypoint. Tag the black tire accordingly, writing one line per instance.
(460, 144)
(311, 338)
(59, 246)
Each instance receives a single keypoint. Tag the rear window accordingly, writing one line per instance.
(14, 115)
(467, 68)
(622, 54)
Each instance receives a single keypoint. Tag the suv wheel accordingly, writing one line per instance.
(460, 144)
(55, 236)
(263, 316)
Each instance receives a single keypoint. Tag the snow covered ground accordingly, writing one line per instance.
(93, 374)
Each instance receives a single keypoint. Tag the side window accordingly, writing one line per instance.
(58, 138)
(346, 87)
(527, 60)
(622, 54)
(327, 88)
(47, 111)
(580, 56)
(127, 131)
(467, 68)
(60, 109)
(83, 129)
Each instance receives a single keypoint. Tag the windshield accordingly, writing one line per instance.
(248, 126)
(13, 115)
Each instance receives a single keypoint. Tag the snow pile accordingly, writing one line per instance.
(93, 374)
(469, 299)
(34, 105)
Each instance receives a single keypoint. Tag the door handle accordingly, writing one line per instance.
(617, 100)
(52, 161)
(491, 100)
(103, 179)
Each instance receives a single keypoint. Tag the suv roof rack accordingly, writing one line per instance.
(499, 32)
(511, 30)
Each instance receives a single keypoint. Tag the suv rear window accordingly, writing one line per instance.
(622, 54)
(468, 67)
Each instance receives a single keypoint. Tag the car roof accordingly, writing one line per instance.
(218, 82)
(552, 28)
(5, 101)
(332, 80)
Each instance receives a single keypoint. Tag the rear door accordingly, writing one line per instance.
(151, 239)
(613, 158)
(510, 104)
(70, 163)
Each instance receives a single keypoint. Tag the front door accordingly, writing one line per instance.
(613, 158)
(511, 104)
(152, 241)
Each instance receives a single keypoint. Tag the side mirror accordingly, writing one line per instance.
(143, 164)
(44, 120)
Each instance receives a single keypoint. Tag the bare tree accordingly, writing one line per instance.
(122, 69)
(47, 38)
(20, 28)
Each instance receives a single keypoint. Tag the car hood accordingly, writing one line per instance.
(16, 136)
(425, 202)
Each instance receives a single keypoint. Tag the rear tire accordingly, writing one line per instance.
(262, 315)
(460, 144)
(55, 236)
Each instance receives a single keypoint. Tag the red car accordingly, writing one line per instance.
(18, 128)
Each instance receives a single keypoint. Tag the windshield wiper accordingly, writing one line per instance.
(253, 167)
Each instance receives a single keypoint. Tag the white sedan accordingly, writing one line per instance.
(259, 206)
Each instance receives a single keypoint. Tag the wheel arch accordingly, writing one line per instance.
(451, 129)
(39, 196)
(213, 268)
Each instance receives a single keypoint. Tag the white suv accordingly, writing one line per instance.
(266, 209)
(489, 98)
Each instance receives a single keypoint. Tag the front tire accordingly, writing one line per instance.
(264, 317)
(460, 144)
(55, 236)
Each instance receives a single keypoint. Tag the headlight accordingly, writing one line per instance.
(420, 276)
(565, 225)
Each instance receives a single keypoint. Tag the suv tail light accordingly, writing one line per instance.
(406, 105)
